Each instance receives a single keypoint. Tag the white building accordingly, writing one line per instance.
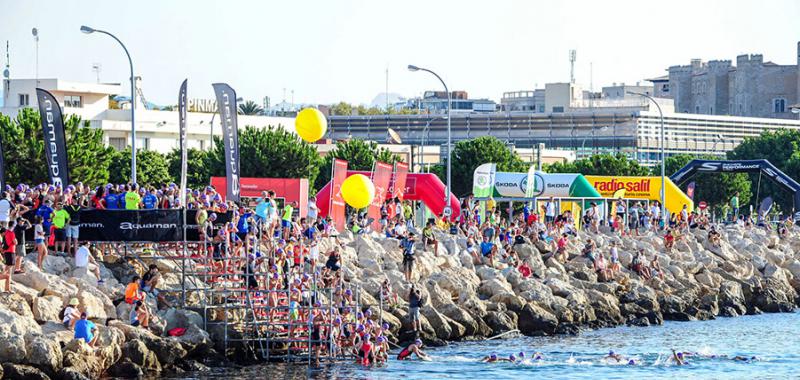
(155, 130)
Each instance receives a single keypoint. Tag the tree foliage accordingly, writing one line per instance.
(151, 167)
(359, 154)
(469, 154)
(714, 188)
(197, 173)
(23, 146)
(600, 164)
(250, 108)
(269, 153)
(782, 149)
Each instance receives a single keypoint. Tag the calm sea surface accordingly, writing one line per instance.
(773, 338)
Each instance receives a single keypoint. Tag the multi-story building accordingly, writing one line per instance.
(635, 133)
(752, 88)
(435, 102)
(570, 97)
(155, 129)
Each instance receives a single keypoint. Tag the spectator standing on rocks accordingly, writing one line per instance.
(84, 262)
(60, 219)
(415, 301)
(9, 245)
(20, 226)
(407, 244)
(73, 227)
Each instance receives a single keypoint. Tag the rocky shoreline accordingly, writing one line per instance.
(752, 271)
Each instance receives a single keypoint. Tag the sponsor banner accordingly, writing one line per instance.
(337, 205)
(647, 188)
(182, 133)
(226, 102)
(55, 143)
(381, 175)
(515, 185)
(400, 178)
(160, 225)
(482, 180)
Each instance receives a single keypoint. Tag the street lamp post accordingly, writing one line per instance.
(583, 144)
(422, 145)
(447, 211)
(88, 30)
(664, 215)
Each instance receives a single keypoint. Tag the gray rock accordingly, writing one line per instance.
(533, 320)
(125, 368)
(44, 353)
(71, 374)
(23, 372)
(139, 354)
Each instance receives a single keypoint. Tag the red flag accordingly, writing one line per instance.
(399, 185)
(381, 175)
(337, 202)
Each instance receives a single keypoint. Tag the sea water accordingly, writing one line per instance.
(774, 339)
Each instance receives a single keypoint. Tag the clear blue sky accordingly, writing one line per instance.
(339, 50)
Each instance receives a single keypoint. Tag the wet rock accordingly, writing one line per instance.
(71, 374)
(139, 354)
(23, 372)
(126, 368)
(533, 320)
(501, 322)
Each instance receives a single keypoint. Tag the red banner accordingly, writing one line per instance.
(381, 175)
(337, 202)
(400, 176)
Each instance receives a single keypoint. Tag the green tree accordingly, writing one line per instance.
(23, 145)
(600, 164)
(342, 109)
(250, 108)
(469, 154)
(197, 173)
(268, 153)
(151, 167)
(781, 148)
(714, 188)
(359, 154)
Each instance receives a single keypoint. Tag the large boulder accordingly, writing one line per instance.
(46, 308)
(501, 322)
(127, 369)
(17, 324)
(43, 352)
(139, 354)
(16, 303)
(534, 320)
(12, 348)
(197, 339)
(81, 358)
(70, 373)
(23, 372)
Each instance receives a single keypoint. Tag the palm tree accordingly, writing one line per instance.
(250, 108)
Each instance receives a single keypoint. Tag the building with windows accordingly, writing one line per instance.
(571, 97)
(635, 133)
(752, 88)
(155, 129)
(435, 102)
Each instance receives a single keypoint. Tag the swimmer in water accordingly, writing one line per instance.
(678, 358)
(632, 362)
(413, 348)
(745, 359)
(538, 356)
(613, 356)
(493, 359)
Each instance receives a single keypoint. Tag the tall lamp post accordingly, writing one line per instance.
(447, 211)
(664, 215)
(422, 145)
(583, 144)
(88, 30)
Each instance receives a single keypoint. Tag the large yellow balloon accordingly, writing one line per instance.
(310, 124)
(358, 191)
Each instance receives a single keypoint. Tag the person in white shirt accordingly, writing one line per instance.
(313, 210)
(71, 314)
(5, 209)
(550, 211)
(84, 261)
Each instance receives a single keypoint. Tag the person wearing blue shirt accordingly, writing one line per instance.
(86, 330)
(488, 249)
(261, 208)
(46, 212)
(150, 200)
(526, 212)
(112, 200)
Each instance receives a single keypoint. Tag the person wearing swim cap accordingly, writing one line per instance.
(365, 354)
(631, 362)
(413, 348)
(678, 358)
(613, 356)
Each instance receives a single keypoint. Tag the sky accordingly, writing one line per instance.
(329, 50)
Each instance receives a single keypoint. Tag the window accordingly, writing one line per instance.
(696, 109)
(73, 101)
(779, 105)
(665, 88)
(558, 109)
(710, 110)
(118, 143)
(24, 100)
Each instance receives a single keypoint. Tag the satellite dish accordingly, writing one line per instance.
(35, 32)
(393, 137)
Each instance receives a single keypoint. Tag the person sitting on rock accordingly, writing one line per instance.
(70, 314)
(473, 250)
(561, 248)
(86, 330)
(389, 296)
(669, 240)
(488, 250)
(588, 251)
(132, 292)
(603, 273)
(524, 269)
(139, 315)
(638, 265)
(429, 239)
(655, 268)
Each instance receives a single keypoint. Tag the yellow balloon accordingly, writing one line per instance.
(310, 124)
(358, 191)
